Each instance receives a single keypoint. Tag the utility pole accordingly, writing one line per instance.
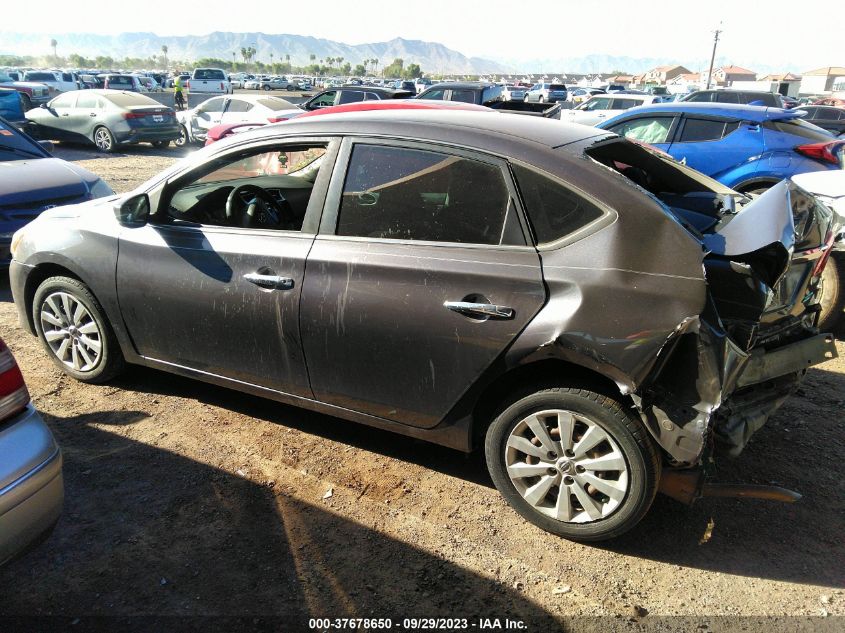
(713, 57)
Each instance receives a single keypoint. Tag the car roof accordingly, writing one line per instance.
(733, 110)
(398, 104)
(494, 132)
(375, 89)
(463, 84)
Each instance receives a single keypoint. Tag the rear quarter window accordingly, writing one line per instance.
(797, 127)
(553, 210)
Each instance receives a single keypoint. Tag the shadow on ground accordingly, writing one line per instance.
(147, 531)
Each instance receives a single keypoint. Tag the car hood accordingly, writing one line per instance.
(30, 180)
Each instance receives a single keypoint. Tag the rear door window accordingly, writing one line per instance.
(726, 96)
(436, 94)
(624, 104)
(239, 105)
(464, 96)
(350, 96)
(411, 194)
(697, 130)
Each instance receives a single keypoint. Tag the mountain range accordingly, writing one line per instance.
(432, 57)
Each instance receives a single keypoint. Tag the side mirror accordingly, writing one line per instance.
(134, 211)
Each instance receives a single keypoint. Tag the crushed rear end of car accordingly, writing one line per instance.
(722, 372)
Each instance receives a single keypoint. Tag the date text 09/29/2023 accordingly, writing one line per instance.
(416, 624)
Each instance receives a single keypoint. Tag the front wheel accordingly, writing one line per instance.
(104, 140)
(73, 329)
(574, 462)
(267, 88)
(182, 141)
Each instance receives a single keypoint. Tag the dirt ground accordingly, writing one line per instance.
(184, 499)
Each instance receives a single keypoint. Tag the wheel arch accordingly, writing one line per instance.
(40, 273)
(536, 375)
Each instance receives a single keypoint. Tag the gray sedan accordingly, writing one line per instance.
(105, 118)
(31, 484)
(600, 319)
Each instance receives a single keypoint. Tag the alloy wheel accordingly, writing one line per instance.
(566, 466)
(103, 139)
(71, 332)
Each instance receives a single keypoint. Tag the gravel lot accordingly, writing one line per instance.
(187, 499)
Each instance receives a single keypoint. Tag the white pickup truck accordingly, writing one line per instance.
(211, 80)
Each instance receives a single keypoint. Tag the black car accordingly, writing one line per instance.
(748, 97)
(479, 93)
(352, 94)
(830, 118)
(599, 318)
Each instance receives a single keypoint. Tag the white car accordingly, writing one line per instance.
(514, 93)
(603, 107)
(260, 108)
(213, 80)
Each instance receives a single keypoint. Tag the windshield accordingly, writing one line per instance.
(16, 146)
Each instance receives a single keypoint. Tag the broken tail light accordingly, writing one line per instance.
(828, 151)
(13, 393)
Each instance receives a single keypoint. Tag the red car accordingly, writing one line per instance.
(222, 131)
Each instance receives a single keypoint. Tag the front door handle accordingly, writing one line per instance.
(271, 282)
(479, 310)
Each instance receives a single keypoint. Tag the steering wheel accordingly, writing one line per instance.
(261, 211)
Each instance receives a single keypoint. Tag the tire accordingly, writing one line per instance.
(182, 141)
(26, 102)
(833, 298)
(267, 88)
(623, 442)
(160, 144)
(104, 139)
(72, 327)
(540, 99)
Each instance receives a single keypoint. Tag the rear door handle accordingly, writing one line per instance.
(483, 310)
(271, 282)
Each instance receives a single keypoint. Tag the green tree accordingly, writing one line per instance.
(395, 69)
(412, 71)
(53, 45)
(360, 70)
(164, 52)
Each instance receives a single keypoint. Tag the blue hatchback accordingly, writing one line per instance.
(747, 148)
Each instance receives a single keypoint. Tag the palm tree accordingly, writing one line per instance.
(271, 59)
(164, 52)
(245, 54)
(312, 57)
(54, 44)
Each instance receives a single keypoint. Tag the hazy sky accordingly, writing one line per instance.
(775, 31)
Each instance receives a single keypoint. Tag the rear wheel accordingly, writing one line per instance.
(267, 88)
(574, 462)
(104, 140)
(833, 299)
(73, 329)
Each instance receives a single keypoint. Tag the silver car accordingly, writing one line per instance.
(31, 484)
(106, 118)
